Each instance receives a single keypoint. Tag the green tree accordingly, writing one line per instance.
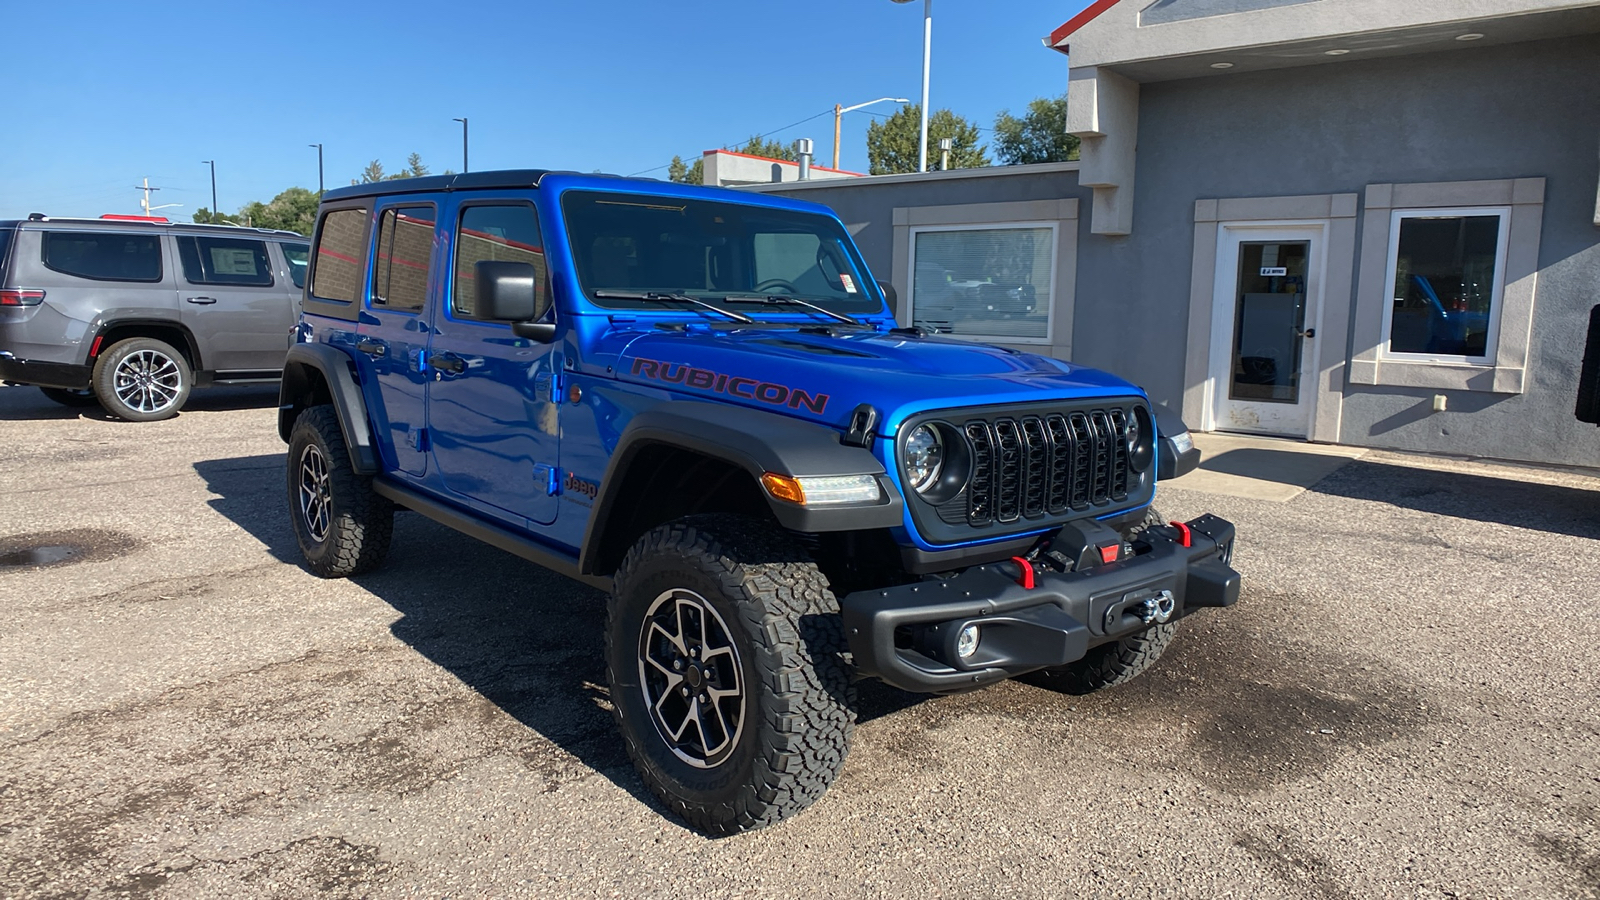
(203, 216)
(292, 210)
(892, 143)
(1040, 136)
(372, 173)
(758, 146)
(681, 173)
(414, 166)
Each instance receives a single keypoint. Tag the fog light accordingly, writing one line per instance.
(967, 641)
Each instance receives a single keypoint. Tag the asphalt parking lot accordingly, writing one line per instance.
(1404, 704)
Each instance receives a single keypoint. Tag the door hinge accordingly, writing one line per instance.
(419, 439)
(550, 475)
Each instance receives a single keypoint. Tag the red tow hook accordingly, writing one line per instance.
(1183, 532)
(1026, 578)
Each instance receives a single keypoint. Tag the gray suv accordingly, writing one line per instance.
(132, 313)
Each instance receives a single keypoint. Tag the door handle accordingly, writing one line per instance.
(203, 301)
(1308, 333)
(450, 363)
(372, 348)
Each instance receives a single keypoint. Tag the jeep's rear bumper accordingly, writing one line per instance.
(43, 374)
(906, 635)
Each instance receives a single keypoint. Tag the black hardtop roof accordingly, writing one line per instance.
(466, 181)
(37, 219)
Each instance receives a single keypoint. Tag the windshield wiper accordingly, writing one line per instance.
(786, 300)
(664, 297)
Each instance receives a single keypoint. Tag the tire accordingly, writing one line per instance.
(1109, 665)
(1152, 516)
(142, 380)
(775, 655)
(66, 397)
(343, 526)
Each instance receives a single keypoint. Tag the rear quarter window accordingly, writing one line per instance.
(5, 249)
(298, 256)
(341, 256)
(103, 255)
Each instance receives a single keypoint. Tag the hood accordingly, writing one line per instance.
(823, 377)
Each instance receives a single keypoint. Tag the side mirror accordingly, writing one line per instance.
(890, 294)
(514, 292)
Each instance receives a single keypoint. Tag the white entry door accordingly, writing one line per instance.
(1264, 333)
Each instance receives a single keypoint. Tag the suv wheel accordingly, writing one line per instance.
(725, 654)
(342, 524)
(68, 397)
(142, 380)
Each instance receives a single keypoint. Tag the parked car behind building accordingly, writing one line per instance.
(133, 312)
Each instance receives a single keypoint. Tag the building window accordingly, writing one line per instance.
(1447, 271)
(984, 281)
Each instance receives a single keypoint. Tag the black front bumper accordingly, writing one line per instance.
(906, 635)
(43, 374)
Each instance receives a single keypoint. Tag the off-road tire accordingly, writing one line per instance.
(123, 399)
(349, 533)
(1152, 516)
(1109, 665)
(798, 703)
(76, 399)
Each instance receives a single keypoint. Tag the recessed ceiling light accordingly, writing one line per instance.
(1222, 65)
(1470, 36)
(1336, 52)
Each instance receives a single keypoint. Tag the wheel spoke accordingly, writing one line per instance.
(675, 639)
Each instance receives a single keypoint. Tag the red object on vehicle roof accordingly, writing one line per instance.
(121, 218)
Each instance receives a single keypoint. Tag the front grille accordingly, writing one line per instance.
(1043, 464)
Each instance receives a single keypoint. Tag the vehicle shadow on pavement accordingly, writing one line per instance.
(1473, 497)
(21, 403)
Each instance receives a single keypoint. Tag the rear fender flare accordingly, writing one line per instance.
(300, 370)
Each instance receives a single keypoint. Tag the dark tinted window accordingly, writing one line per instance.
(341, 256)
(405, 246)
(5, 248)
(297, 256)
(504, 233)
(104, 255)
(212, 260)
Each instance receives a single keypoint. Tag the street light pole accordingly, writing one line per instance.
(213, 164)
(319, 167)
(463, 121)
(838, 113)
(927, 58)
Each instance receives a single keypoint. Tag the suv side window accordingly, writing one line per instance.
(297, 256)
(103, 255)
(405, 249)
(341, 256)
(227, 261)
(498, 232)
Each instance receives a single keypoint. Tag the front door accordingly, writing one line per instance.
(1264, 345)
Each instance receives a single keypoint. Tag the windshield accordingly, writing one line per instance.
(711, 250)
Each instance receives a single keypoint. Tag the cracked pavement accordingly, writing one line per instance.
(1405, 703)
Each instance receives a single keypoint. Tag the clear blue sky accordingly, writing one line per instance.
(100, 95)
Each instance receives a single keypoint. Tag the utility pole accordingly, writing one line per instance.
(838, 114)
(213, 164)
(319, 167)
(463, 121)
(145, 203)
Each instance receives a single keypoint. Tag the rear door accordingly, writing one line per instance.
(392, 336)
(233, 303)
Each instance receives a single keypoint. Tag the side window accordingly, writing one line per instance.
(508, 233)
(341, 256)
(297, 256)
(226, 261)
(405, 246)
(103, 255)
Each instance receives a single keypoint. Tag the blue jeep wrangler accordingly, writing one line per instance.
(699, 401)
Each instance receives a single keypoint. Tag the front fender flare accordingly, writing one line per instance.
(344, 392)
(757, 442)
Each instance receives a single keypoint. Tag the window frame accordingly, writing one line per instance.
(46, 234)
(317, 304)
(1047, 299)
(272, 279)
(1496, 298)
(449, 306)
(376, 251)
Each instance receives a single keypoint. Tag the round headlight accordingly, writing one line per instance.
(924, 456)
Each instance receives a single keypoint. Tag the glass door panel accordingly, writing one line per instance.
(1269, 321)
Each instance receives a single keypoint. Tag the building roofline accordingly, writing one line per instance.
(1057, 38)
(909, 177)
(784, 162)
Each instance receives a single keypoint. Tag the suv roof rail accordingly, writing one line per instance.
(464, 181)
(159, 222)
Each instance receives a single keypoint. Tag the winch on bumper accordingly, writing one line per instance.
(1023, 615)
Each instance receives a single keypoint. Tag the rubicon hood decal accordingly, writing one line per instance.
(769, 392)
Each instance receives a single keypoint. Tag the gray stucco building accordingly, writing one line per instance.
(1351, 221)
